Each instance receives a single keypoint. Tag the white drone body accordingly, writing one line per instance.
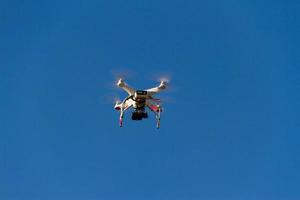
(139, 100)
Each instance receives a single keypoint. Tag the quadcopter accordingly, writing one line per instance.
(139, 100)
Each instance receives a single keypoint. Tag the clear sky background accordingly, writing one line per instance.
(232, 130)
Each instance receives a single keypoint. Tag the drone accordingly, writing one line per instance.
(139, 100)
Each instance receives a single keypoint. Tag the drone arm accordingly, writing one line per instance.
(162, 86)
(125, 87)
(153, 108)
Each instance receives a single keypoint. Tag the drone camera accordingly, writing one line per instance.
(139, 115)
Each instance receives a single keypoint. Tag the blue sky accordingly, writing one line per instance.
(231, 131)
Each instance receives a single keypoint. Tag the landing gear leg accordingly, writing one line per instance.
(121, 118)
(121, 122)
(158, 119)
